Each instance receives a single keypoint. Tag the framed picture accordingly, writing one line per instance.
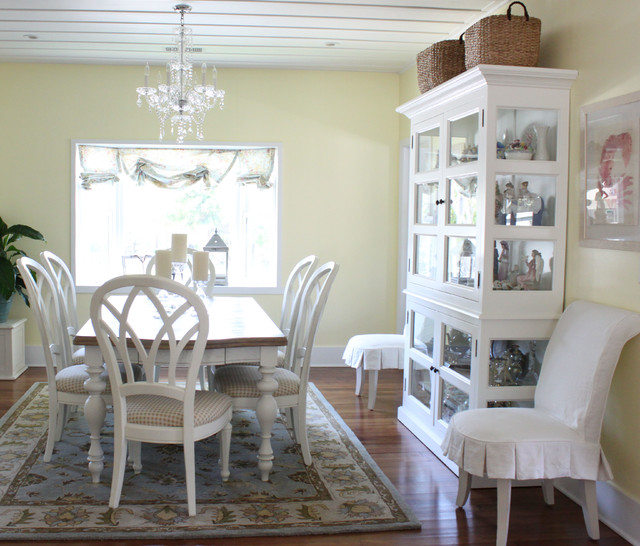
(610, 173)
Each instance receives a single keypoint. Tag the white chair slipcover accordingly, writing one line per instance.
(560, 436)
(371, 353)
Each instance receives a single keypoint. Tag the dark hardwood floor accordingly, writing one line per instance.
(426, 484)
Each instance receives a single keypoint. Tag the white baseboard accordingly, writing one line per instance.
(615, 509)
(34, 356)
(321, 356)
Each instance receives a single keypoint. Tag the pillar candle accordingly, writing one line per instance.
(163, 263)
(179, 247)
(200, 266)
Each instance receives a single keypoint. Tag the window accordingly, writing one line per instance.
(130, 198)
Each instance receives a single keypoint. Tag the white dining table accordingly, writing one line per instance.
(239, 331)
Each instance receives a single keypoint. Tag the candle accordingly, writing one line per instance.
(179, 247)
(200, 266)
(163, 263)
(204, 74)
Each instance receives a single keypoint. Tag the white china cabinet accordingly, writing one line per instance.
(487, 220)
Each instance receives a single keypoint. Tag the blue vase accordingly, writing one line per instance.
(5, 306)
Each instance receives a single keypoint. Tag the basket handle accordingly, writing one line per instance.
(526, 13)
(460, 39)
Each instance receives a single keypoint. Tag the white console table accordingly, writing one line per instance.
(12, 349)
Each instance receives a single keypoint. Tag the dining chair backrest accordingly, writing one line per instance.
(60, 273)
(312, 304)
(293, 289)
(187, 279)
(43, 300)
(177, 322)
(579, 363)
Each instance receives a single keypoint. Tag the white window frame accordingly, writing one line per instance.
(222, 290)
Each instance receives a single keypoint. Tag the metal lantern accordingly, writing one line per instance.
(220, 258)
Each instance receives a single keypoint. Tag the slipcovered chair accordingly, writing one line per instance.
(158, 410)
(371, 353)
(560, 436)
(240, 381)
(65, 379)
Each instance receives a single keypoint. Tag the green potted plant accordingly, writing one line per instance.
(10, 279)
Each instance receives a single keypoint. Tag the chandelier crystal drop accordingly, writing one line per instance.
(179, 99)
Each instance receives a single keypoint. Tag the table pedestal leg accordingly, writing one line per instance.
(266, 410)
(95, 410)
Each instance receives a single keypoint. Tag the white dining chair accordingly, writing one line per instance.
(162, 410)
(240, 381)
(66, 287)
(65, 380)
(560, 436)
(293, 289)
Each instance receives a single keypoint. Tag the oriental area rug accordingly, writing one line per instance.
(343, 491)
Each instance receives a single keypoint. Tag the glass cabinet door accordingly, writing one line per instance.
(428, 150)
(427, 203)
(452, 400)
(456, 352)
(421, 382)
(463, 206)
(461, 261)
(425, 259)
(463, 139)
(422, 340)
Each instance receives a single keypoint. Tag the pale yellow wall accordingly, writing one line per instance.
(339, 132)
(600, 40)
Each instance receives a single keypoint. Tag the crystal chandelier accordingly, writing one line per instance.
(179, 99)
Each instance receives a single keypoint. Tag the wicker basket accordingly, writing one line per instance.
(439, 63)
(503, 39)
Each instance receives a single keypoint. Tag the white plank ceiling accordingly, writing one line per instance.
(365, 35)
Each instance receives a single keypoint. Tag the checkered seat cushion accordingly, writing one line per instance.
(160, 411)
(71, 379)
(78, 357)
(242, 381)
